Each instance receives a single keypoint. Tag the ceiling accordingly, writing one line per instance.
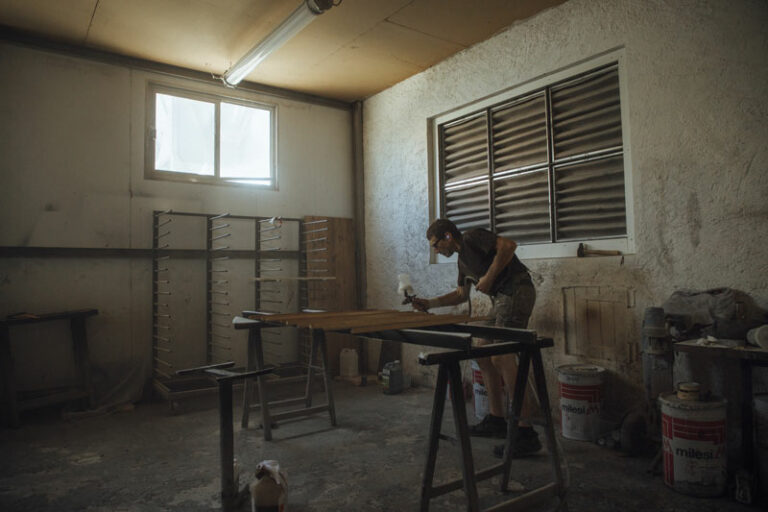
(349, 53)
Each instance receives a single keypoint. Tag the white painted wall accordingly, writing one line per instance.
(696, 97)
(71, 166)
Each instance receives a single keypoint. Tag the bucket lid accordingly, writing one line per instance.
(671, 400)
(580, 369)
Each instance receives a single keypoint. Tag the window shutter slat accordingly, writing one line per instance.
(467, 207)
(465, 150)
(586, 115)
(590, 199)
(522, 207)
(520, 134)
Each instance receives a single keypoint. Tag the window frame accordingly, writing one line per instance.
(522, 92)
(154, 88)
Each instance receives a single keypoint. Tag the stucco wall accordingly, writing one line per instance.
(72, 166)
(696, 102)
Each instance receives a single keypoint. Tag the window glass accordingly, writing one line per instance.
(245, 142)
(185, 135)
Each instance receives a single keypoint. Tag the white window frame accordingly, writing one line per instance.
(557, 249)
(150, 172)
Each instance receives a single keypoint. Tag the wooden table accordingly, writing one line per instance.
(748, 357)
(454, 334)
(80, 346)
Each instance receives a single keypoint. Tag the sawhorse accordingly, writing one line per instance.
(256, 362)
(449, 371)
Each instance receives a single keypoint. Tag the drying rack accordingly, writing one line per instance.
(218, 253)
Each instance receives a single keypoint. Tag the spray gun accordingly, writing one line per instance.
(406, 288)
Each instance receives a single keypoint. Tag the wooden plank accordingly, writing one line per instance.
(45, 317)
(411, 324)
(292, 278)
(608, 329)
(315, 322)
(527, 501)
(363, 321)
(290, 317)
(387, 321)
(593, 342)
(569, 302)
(580, 322)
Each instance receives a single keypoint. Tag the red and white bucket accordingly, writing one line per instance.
(581, 400)
(693, 442)
(480, 393)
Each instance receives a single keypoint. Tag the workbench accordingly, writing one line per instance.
(453, 334)
(84, 388)
(748, 357)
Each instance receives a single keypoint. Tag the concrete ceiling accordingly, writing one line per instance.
(352, 51)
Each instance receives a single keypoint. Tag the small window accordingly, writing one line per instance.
(209, 139)
(541, 167)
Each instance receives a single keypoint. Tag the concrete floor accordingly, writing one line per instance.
(148, 460)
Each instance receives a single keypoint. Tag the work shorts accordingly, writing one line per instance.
(513, 306)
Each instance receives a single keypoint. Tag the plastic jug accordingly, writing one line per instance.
(348, 363)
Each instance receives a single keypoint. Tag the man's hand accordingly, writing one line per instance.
(420, 304)
(484, 284)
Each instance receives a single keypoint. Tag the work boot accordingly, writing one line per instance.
(527, 443)
(490, 426)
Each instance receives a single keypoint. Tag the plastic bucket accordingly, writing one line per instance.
(693, 442)
(581, 397)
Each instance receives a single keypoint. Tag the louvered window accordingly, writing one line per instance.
(541, 168)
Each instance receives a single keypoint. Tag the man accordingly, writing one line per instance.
(490, 261)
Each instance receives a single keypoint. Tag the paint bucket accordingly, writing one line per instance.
(581, 397)
(760, 407)
(479, 393)
(693, 442)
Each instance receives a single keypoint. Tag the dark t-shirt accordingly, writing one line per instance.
(478, 248)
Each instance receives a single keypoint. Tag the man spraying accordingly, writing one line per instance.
(490, 261)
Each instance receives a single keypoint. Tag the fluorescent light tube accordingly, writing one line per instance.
(292, 25)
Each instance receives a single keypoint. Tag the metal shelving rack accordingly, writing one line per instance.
(313, 240)
(218, 315)
(161, 314)
(219, 307)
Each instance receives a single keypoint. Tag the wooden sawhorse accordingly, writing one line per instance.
(84, 388)
(256, 362)
(528, 346)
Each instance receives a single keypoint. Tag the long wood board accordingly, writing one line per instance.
(360, 322)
